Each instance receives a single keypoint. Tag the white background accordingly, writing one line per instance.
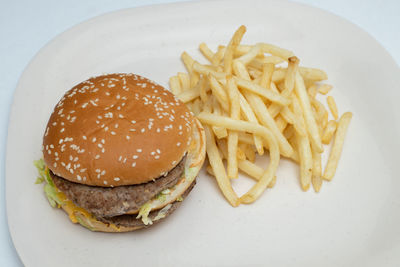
(26, 26)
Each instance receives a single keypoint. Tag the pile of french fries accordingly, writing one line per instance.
(256, 98)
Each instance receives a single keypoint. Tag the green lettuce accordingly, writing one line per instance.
(144, 214)
(49, 188)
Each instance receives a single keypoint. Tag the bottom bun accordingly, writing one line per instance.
(128, 222)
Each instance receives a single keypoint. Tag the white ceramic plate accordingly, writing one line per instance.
(354, 221)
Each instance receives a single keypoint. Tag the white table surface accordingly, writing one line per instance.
(26, 26)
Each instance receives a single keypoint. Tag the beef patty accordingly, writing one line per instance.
(114, 201)
(129, 220)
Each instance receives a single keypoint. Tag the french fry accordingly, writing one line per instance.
(190, 94)
(233, 135)
(220, 132)
(276, 51)
(196, 109)
(249, 115)
(281, 123)
(329, 132)
(249, 56)
(218, 56)
(219, 92)
(266, 93)
(205, 70)
(325, 89)
(266, 76)
(187, 61)
(298, 124)
(272, 183)
(248, 152)
(203, 84)
(312, 91)
(240, 154)
(219, 169)
(246, 138)
(316, 171)
(290, 77)
(251, 169)
(332, 107)
(194, 78)
(337, 147)
(184, 80)
(306, 160)
(257, 63)
(175, 85)
(266, 119)
(207, 53)
(307, 112)
(308, 74)
(210, 170)
(235, 41)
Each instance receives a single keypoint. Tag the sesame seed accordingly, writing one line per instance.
(128, 137)
(174, 162)
(99, 145)
(143, 129)
(135, 156)
(105, 182)
(98, 170)
(158, 151)
(132, 130)
(157, 157)
(120, 158)
(133, 122)
(116, 125)
(178, 144)
(153, 153)
(106, 129)
(113, 133)
(121, 116)
(94, 139)
(139, 150)
(103, 141)
(97, 156)
(103, 150)
(62, 130)
(116, 179)
(55, 164)
(124, 160)
(83, 170)
(133, 164)
(103, 172)
(70, 157)
(79, 177)
(84, 137)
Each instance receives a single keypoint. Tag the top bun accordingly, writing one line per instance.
(116, 129)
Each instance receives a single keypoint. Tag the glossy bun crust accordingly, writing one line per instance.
(117, 129)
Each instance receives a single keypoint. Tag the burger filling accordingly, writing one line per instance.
(139, 205)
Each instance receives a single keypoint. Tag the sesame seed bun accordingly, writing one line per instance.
(116, 129)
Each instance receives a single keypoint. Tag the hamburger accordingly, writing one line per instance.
(120, 153)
